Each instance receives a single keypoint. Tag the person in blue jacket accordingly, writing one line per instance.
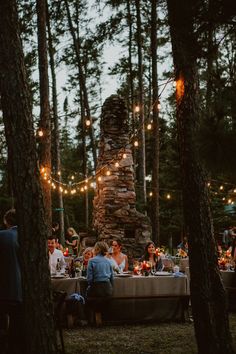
(10, 285)
(100, 280)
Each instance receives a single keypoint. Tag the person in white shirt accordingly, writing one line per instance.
(54, 255)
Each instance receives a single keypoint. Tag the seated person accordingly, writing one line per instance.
(55, 256)
(120, 258)
(87, 255)
(73, 241)
(59, 245)
(112, 261)
(183, 247)
(150, 256)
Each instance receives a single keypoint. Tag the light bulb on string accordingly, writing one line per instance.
(137, 109)
(40, 133)
(208, 184)
(158, 105)
(229, 201)
(72, 177)
(221, 188)
(108, 173)
(59, 173)
(88, 122)
(99, 178)
(150, 194)
(82, 189)
(136, 143)
(234, 190)
(85, 188)
(117, 164)
(149, 126)
(168, 196)
(124, 156)
(66, 191)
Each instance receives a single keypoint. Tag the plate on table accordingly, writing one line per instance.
(123, 275)
(162, 274)
(58, 276)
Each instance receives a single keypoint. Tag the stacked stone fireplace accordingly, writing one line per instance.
(115, 214)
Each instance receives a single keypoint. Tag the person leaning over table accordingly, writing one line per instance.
(150, 256)
(120, 258)
(74, 241)
(100, 280)
(54, 255)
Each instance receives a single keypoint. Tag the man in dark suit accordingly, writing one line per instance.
(10, 286)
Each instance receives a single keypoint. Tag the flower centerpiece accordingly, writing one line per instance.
(181, 253)
(225, 259)
(145, 268)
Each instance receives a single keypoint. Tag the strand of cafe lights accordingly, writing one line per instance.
(72, 188)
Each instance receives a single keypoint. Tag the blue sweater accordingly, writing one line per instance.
(99, 269)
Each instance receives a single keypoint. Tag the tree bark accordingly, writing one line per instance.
(55, 123)
(45, 123)
(82, 82)
(156, 134)
(38, 323)
(142, 154)
(208, 296)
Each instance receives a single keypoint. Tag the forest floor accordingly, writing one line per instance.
(158, 338)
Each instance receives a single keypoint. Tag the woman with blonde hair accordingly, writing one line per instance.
(73, 241)
(100, 279)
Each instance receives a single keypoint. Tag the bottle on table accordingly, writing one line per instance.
(72, 269)
(58, 266)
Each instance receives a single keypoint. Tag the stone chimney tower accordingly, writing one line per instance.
(115, 214)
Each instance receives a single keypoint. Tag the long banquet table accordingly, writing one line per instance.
(138, 298)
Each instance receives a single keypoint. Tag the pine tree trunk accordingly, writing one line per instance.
(208, 296)
(142, 152)
(45, 123)
(156, 135)
(82, 82)
(38, 323)
(56, 134)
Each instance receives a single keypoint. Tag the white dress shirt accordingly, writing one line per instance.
(53, 257)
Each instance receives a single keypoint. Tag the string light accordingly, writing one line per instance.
(108, 173)
(40, 132)
(149, 126)
(136, 109)
(168, 196)
(136, 143)
(124, 156)
(88, 122)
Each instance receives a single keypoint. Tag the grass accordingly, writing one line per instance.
(158, 338)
